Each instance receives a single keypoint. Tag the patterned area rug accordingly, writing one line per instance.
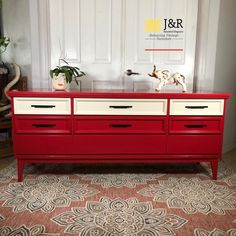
(120, 200)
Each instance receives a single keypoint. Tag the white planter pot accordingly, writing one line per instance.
(59, 82)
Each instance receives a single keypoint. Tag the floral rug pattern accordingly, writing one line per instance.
(24, 231)
(121, 180)
(192, 195)
(7, 174)
(45, 193)
(119, 217)
(56, 200)
(214, 232)
(1, 218)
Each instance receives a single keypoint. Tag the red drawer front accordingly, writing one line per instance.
(119, 144)
(43, 124)
(196, 125)
(43, 144)
(194, 144)
(119, 125)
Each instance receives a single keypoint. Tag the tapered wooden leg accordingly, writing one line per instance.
(20, 166)
(214, 169)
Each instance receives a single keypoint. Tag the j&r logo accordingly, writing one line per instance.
(155, 25)
(164, 30)
(170, 23)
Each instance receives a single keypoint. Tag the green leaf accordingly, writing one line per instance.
(51, 73)
(76, 82)
(76, 73)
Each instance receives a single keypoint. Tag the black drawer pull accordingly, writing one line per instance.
(43, 125)
(196, 107)
(120, 107)
(120, 125)
(195, 126)
(43, 106)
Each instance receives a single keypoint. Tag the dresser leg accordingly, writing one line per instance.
(20, 167)
(214, 169)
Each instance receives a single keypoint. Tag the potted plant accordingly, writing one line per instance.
(64, 75)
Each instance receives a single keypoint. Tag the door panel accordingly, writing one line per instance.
(87, 33)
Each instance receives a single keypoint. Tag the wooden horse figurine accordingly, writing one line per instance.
(165, 77)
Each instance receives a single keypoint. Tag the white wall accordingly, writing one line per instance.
(225, 66)
(15, 17)
(208, 16)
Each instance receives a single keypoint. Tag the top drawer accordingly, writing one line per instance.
(196, 106)
(84, 106)
(46, 106)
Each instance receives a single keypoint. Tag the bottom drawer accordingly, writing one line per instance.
(194, 144)
(119, 144)
(42, 144)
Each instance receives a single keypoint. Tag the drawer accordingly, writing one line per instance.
(194, 144)
(124, 124)
(47, 106)
(196, 106)
(83, 106)
(43, 124)
(119, 144)
(43, 144)
(196, 125)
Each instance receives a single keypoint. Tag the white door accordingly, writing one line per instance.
(106, 37)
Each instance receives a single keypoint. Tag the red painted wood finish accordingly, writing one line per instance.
(120, 124)
(42, 124)
(115, 139)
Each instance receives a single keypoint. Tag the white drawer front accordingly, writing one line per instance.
(120, 106)
(46, 106)
(196, 106)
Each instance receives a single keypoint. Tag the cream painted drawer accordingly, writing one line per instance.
(196, 106)
(44, 106)
(90, 106)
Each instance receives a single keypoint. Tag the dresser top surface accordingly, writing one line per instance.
(118, 94)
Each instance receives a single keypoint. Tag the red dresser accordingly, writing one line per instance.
(117, 127)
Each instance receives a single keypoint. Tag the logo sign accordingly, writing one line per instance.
(167, 29)
(155, 25)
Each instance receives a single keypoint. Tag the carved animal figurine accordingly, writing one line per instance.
(5, 106)
(165, 77)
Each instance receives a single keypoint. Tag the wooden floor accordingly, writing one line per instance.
(229, 158)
